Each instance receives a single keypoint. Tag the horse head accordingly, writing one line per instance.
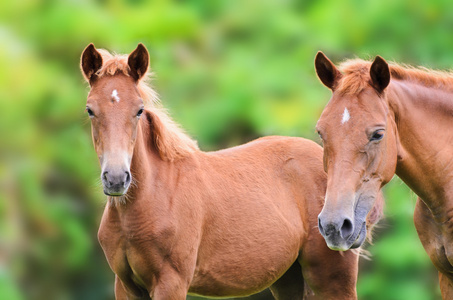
(114, 106)
(360, 153)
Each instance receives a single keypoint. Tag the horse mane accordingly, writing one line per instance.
(357, 76)
(169, 138)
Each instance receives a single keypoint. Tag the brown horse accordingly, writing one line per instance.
(220, 224)
(384, 119)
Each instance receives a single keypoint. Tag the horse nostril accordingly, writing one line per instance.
(104, 176)
(347, 228)
(128, 178)
(320, 226)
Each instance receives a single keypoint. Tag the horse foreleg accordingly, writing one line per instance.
(121, 292)
(170, 286)
(446, 286)
(334, 280)
(330, 274)
(290, 286)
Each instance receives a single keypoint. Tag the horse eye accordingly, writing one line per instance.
(377, 135)
(140, 112)
(90, 112)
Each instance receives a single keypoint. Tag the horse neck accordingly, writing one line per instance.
(423, 120)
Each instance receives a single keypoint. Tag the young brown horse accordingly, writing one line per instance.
(220, 224)
(385, 119)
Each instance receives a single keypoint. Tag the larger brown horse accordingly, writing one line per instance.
(384, 119)
(220, 224)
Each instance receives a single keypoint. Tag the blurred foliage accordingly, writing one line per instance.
(228, 71)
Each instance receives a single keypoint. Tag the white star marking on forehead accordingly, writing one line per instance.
(346, 116)
(115, 96)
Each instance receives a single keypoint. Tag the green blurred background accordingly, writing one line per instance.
(228, 71)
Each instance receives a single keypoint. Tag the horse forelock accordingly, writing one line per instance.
(171, 141)
(356, 76)
(112, 64)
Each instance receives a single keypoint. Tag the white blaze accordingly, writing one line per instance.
(115, 96)
(346, 116)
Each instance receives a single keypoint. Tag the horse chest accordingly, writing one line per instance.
(436, 238)
(133, 251)
(444, 250)
(440, 251)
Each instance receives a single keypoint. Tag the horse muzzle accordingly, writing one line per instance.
(342, 234)
(116, 183)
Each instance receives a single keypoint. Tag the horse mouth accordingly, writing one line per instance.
(360, 237)
(114, 194)
(116, 191)
(355, 241)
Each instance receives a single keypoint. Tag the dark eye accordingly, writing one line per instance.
(90, 112)
(140, 112)
(377, 135)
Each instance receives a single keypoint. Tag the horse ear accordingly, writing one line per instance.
(380, 74)
(90, 62)
(326, 70)
(138, 62)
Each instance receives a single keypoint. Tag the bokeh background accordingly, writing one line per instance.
(228, 71)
